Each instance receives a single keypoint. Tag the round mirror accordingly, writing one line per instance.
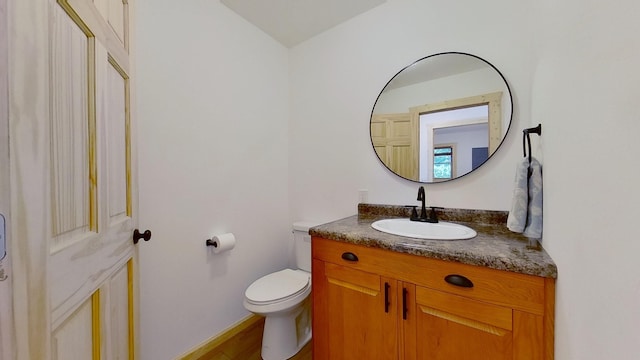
(441, 117)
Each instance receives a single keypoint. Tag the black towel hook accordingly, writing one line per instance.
(525, 137)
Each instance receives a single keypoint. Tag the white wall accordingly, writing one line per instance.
(572, 67)
(586, 94)
(213, 141)
(208, 81)
(337, 76)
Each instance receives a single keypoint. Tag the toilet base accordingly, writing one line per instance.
(286, 333)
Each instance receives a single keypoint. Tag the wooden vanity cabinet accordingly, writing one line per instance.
(370, 303)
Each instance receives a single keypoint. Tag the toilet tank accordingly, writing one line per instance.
(302, 244)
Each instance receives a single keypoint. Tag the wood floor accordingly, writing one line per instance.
(245, 345)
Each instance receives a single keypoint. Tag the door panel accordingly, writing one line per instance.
(117, 140)
(454, 327)
(120, 314)
(442, 340)
(116, 18)
(75, 338)
(465, 308)
(70, 147)
(362, 329)
(395, 141)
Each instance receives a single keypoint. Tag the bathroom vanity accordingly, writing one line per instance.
(382, 296)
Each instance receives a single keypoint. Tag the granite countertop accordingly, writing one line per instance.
(494, 247)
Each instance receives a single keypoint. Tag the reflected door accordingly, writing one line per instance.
(396, 143)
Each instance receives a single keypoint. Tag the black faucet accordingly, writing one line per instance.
(432, 217)
(423, 198)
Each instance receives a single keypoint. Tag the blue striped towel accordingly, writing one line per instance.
(526, 208)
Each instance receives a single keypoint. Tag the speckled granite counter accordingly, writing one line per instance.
(494, 247)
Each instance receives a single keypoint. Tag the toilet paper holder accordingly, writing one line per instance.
(222, 242)
(210, 242)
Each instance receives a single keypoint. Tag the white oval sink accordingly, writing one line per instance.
(424, 230)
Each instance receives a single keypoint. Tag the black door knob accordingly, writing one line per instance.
(146, 236)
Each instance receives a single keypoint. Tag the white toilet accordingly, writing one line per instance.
(283, 299)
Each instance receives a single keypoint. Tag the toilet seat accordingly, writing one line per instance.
(278, 287)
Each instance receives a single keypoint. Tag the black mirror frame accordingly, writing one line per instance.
(417, 61)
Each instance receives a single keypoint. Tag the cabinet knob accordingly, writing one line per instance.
(458, 280)
(349, 256)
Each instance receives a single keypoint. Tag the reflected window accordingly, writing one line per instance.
(443, 163)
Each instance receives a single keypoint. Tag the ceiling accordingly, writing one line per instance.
(293, 21)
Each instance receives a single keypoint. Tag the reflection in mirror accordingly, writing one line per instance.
(441, 117)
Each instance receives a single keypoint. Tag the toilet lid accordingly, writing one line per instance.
(277, 285)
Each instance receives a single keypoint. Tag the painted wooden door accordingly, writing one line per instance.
(6, 301)
(73, 188)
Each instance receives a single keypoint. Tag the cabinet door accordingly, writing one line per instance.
(454, 327)
(355, 314)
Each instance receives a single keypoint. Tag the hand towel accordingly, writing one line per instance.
(517, 219)
(526, 208)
